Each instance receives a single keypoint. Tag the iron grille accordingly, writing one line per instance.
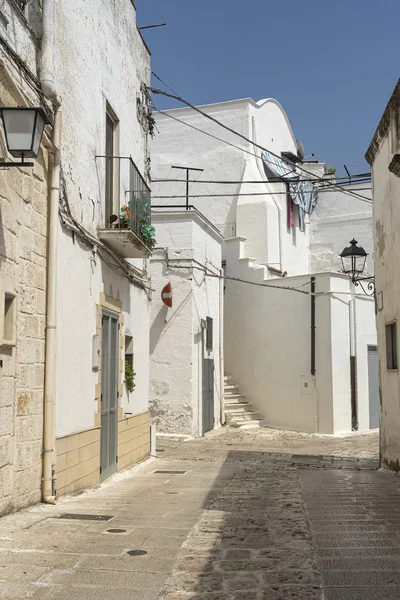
(130, 199)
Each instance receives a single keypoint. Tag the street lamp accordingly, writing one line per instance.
(354, 258)
(23, 128)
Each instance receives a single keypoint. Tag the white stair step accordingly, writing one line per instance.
(227, 377)
(242, 418)
(231, 386)
(236, 404)
(232, 395)
(251, 424)
(241, 410)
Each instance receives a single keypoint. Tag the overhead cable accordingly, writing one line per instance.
(233, 195)
(240, 135)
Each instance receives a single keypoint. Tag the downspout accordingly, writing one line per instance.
(313, 355)
(221, 348)
(353, 361)
(312, 326)
(48, 86)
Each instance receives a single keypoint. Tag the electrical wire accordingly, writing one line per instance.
(213, 119)
(215, 137)
(69, 221)
(264, 285)
(237, 279)
(218, 195)
(358, 196)
(229, 182)
(164, 83)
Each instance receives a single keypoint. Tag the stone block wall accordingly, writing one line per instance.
(23, 241)
(78, 461)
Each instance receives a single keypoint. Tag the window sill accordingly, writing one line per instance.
(9, 343)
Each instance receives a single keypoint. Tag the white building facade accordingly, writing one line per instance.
(186, 362)
(103, 300)
(384, 157)
(269, 238)
(75, 245)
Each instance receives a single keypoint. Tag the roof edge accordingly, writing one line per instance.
(384, 124)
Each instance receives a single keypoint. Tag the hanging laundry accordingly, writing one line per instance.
(302, 193)
(290, 209)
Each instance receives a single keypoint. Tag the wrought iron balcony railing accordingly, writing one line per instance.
(127, 203)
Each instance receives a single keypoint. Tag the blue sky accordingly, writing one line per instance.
(332, 65)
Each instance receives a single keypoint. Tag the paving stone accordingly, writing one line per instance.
(374, 593)
(243, 582)
(243, 524)
(293, 592)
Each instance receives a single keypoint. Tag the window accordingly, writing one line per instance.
(129, 350)
(110, 175)
(209, 334)
(391, 346)
(8, 306)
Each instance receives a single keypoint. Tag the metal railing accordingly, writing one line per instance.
(130, 206)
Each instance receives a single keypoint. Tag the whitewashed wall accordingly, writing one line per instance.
(268, 350)
(101, 59)
(366, 335)
(76, 379)
(337, 219)
(262, 220)
(185, 243)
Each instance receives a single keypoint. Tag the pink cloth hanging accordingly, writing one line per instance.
(290, 211)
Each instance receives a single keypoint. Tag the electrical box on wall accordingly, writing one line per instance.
(95, 353)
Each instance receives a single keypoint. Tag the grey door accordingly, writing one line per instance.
(373, 373)
(208, 395)
(109, 395)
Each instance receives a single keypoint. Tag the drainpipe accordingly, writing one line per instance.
(313, 326)
(353, 360)
(49, 90)
(221, 348)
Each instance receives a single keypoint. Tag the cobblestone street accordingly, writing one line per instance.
(233, 516)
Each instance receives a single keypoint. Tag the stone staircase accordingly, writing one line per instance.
(238, 411)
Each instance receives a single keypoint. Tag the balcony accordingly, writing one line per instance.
(128, 230)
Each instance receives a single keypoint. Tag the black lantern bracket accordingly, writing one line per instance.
(21, 163)
(367, 288)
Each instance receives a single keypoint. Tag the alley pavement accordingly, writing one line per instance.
(234, 516)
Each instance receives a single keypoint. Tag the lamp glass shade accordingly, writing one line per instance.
(353, 260)
(23, 129)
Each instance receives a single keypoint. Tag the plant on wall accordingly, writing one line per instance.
(130, 377)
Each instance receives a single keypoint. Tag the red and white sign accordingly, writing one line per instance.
(166, 295)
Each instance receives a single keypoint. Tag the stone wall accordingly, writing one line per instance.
(384, 147)
(23, 230)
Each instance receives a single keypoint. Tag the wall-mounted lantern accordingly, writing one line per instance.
(354, 258)
(23, 128)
